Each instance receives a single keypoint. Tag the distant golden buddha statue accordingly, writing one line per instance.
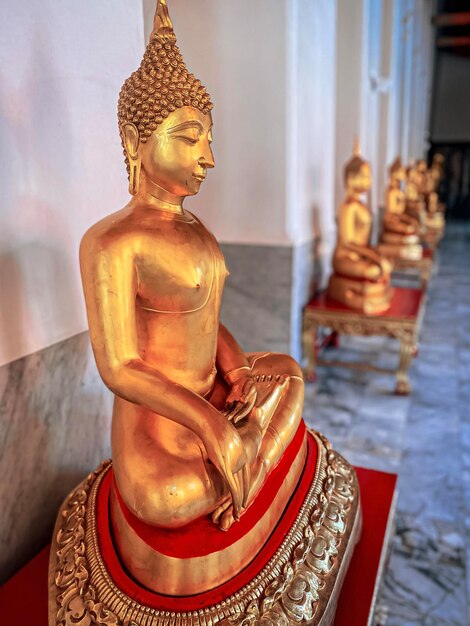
(200, 429)
(437, 168)
(361, 277)
(421, 176)
(428, 185)
(400, 232)
(415, 202)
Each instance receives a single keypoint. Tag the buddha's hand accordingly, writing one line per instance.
(241, 398)
(225, 450)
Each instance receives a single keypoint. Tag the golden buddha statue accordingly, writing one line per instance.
(421, 178)
(400, 232)
(361, 277)
(427, 187)
(415, 203)
(437, 168)
(212, 464)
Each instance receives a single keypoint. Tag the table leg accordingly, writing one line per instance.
(309, 339)
(426, 274)
(333, 340)
(407, 347)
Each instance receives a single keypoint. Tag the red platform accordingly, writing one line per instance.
(406, 304)
(23, 600)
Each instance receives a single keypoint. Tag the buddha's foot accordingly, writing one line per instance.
(223, 515)
(270, 391)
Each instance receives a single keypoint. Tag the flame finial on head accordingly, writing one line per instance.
(357, 146)
(162, 24)
(354, 164)
(396, 165)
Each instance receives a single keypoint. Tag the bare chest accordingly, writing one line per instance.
(179, 271)
(362, 221)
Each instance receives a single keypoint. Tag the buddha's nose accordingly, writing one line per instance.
(207, 159)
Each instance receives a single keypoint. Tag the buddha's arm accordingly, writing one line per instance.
(367, 253)
(346, 238)
(399, 222)
(346, 225)
(346, 234)
(234, 367)
(231, 359)
(110, 286)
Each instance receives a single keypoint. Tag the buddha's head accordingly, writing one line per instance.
(165, 120)
(397, 171)
(422, 166)
(412, 174)
(437, 166)
(357, 173)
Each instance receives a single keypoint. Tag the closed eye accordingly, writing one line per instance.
(189, 139)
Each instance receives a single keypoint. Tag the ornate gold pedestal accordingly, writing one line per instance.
(300, 583)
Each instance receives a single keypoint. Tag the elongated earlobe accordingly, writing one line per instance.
(131, 140)
(134, 180)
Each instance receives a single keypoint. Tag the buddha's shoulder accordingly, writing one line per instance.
(351, 206)
(129, 228)
(111, 231)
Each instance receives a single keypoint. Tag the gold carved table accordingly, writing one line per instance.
(402, 322)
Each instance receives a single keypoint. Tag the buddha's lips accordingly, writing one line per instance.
(199, 177)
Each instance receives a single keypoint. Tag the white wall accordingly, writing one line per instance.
(412, 108)
(311, 131)
(384, 68)
(349, 92)
(61, 68)
(311, 120)
(238, 50)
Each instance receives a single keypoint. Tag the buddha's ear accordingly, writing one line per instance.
(130, 135)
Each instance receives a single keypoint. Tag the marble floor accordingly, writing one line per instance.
(424, 437)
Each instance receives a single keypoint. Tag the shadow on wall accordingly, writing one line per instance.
(36, 178)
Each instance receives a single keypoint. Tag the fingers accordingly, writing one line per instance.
(240, 391)
(233, 410)
(236, 491)
(239, 410)
(221, 509)
(238, 506)
(245, 409)
(232, 396)
(246, 472)
(227, 519)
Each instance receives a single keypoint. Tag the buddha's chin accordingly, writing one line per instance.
(194, 186)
